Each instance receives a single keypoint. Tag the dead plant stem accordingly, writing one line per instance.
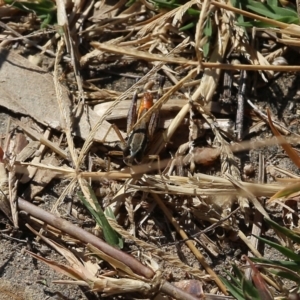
(190, 244)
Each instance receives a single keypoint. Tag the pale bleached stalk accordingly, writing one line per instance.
(182, 61)
(64, 111)
(200, 29)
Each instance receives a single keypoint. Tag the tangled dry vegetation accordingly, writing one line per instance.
(192, 192)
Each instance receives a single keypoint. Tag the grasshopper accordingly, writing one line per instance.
(139, 138)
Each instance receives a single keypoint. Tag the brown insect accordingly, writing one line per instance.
(139, 138)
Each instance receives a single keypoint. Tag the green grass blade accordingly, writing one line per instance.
(110, 235)
(109, 213)
(288, 20)
(208, 33)
(271, 11)
(188, 26)
(249, 290)
(42, 7)
(238, 274)
(285, 231)
(233, 290)
(291, 268)
(258, 24)
(272, 2)
(285, 251)
(261, 10)
(291, 265)
(286, 275)
(283, 12)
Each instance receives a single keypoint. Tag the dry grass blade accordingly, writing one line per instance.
(4, 191)
(36, 136)
(249, 244)
(141, 55)
(290, 191)
(176, 60)
(61, 104)
(71, 258)
(177, 13)
(63, 269)
(13, 185)
(63, 22)
(203, 184)
(261, 114)
(190, 244)
(245, 192)
(68, 190)
(115, 263)
(59, 170)
(287, 147)
(159, 253)
(109, 175)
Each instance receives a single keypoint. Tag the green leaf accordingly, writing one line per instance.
(110, 235)
(285, 251)
(208, 33)
(283, 12)
(130, 2)
(291, 265)
(232, 289)
(249, 290)
(272, 2)
(261, 9)
(240, 18)
(188, 26)
(270, 11)
(286, 275)
(239, 275)
(288, 20)
(46, 20)
(208, 28)
(205, 49)
(237, 4)
(258, 24)
(285, 231)
(109, 213)
(44, 9)
(41, 7)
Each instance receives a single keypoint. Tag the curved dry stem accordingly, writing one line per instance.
(190, 244)
(85, 237)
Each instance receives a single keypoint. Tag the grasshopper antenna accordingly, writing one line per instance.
(161, 82)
